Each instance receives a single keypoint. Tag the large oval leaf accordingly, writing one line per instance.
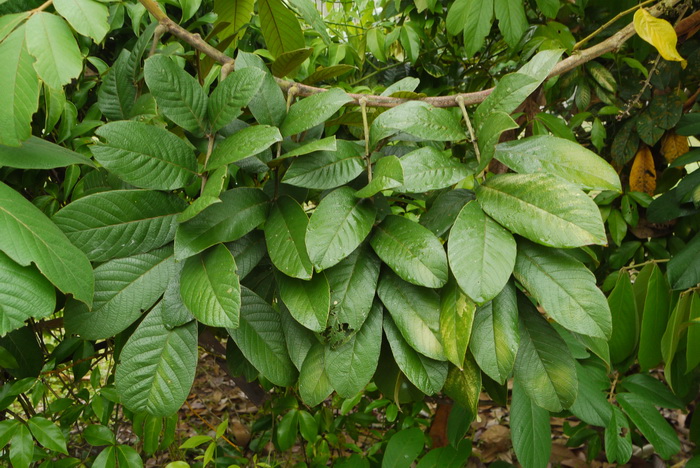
(313, 110)
(456, 320)
(231, 95)
(543, 208)
(428, 169)
(481, 253)
(120, 223)
(625, 321)
(209, 287)
(326, 169)
(261, 339)
(337, 226)
(27, 235)
(651, 423)
(51, 42)
(36, 153)
(157, 366)
(246, 142)
(529, 424)
(416, 313)
(412, 251)
(145, 156)
(560, 157)
(307, 301)
(565, 288)
(314, 383)
(419, 120)
(285, 231)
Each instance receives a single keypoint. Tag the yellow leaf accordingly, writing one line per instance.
(673, 145)
(643, 173)
(659, 33)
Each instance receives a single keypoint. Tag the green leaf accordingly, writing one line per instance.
(288, 62)
(464, 385)
(7, 430)
(285, 231)
(307, 301)
(419, 120)
(412, 251)
(48, 434)
(495, 335)
(388, 174)
(240, 211)
(50, 41)
(549, 8)
(625, 321)
(176, 313)
(237, 14)
(261, 339)
(481, 253)
(157, 366)
(314, 383)
(287, 430)
(120, 223)
(416, 313)
(312, 16)
(530, 430)
(448, 456)
(178, 94)
(145, 156)
(21, 447)
(559, 157)
(328, 73)
(117, 94)
(474, 19)
(426, 374)
(326, 169)
(232, 94)
(652, 390)
(299, 339)
(19, 91)
(544, 366)
(565, 288)
(592, 405)
(27, 235)
(36, 153)
(444, 210)
(313, 110)
(25, 294)
(512, 21)
(376, 43)
(88, 17)
(268, 106)
(280, 27)
(124, 289)
(106, 458)
(351, 365)
(692, 351)
(543, 208)
(246, 142)
(428, 169)
(209, 287)
(403, 448)
(650, 423)
(456, 319)
(324, 144)
(654, 320)
(338, 225)
(128, 456)
(489, 134)
(618, 440)
(672, 336)
(684, 267)
(9, 22)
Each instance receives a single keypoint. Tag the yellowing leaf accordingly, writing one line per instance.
(659, 33)
(673, 145)
(643, 173)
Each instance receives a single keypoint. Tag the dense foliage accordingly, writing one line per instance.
(404, 235)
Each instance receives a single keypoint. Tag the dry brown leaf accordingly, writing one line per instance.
(643, 173)
(673, 145)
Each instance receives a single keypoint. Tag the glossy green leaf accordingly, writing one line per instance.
(625, 321)
(351, 365)
(444, 210)
(28, 236)
(692, 352)
(543, 208)
(242, 209)
(426, 374)
(481, 253)
(120, 223)
(684, 268)
(530, 430)
(338, 225)
(412, 251)
(456, 319)
(651, 424)
(618, 440)
(36, 153)
(175, 313)
(671, 338)
(88, 17)
(280, 27)
(416, 313)
(25, 294)
(48, 434)
(428, 169)
(21, 447)
(324, 144)
(403, 448)
(314, 383)
(7, 430)
(261, 339)
(464, 385)
(654, 319)
(117, 94)
(299, 338)
(209, 287)
(447, 457)
(651, 389)
(474, 19)
(124, 289)
(565, 288)
(19, 91)
(157, 366)
(592, 405)
(512, 21)
(51, 42)
(544, 366)
(326, 169)
(145, 156)
(248, 251)
(489, 134)
(285, 231)
(10, 22)
(559, 157)
(495, 335)
(287, 430)
(419, 120)
(242, 144)
(128, 456)
(268, 106)
(387, 174)
(237, 14)
(313, 110)
(232, 94)
(307, 301)
(179, 95)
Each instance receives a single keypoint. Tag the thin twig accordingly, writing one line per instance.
(41, 7)
(365, 129)
(472, 136)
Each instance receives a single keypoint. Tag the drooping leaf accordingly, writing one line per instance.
(456, 319)
(314, 383)
(28, 236)
(530, 429)
(285, 231)
(543, 208)
(412, 251)
(464, 385)
(307, 301)
(625, 321)
(672, 336)
(326, 169)
(654, 319)
(157, 366)
(232, 94)
(145, 156)
(48, 434)
(246, 142)
(388, 174)
(512, 21)
(650, 423)
(419, 120)
(692, 352)
(280, 27)
(684, 267)
(592, 405)
(51, 42)
(659, 33)
(21, 447)
(36, 153)
(88, 17)
(313, 110)
(474, 19)
(489, 134)
(428, 169)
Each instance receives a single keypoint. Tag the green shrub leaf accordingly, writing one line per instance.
(285, 231)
